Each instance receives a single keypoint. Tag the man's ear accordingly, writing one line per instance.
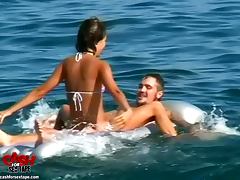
(159, 94)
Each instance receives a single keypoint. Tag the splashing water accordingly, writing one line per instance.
(101, 145)
(68, 142)
(40, 112)
(215, 122)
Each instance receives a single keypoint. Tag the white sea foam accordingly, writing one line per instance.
(81, 144)
(216, 122)
(41, 111)
(103, 144)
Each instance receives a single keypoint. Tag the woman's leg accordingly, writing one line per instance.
(8, 140)
(63, 116)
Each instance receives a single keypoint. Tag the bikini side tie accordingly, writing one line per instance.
(77, 97)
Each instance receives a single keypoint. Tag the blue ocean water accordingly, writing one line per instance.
(193, 44)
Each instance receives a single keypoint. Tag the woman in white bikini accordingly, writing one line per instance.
(84, 75)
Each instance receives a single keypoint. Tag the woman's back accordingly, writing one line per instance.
(81, 73)
(83, 86)
(83, 76)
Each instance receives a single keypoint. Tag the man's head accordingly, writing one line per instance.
(150, 89)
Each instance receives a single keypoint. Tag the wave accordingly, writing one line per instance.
(104, 144)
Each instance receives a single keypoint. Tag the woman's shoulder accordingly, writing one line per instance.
(104, 62)
(67, 60)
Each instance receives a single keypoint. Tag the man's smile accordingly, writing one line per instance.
(142, 95)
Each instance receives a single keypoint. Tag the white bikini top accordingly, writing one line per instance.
(77, 97)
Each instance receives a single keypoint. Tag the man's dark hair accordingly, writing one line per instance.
(91, 31)
(158, 78)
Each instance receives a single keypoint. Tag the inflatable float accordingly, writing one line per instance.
(182, 112)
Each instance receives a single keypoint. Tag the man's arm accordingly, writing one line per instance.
(144, 114)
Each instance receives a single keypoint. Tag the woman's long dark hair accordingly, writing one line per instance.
(90, 32)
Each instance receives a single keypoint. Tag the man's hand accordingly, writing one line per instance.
(119, 121)
(3, 115)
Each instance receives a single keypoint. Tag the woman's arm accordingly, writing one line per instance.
(36, 94)
(112, 87)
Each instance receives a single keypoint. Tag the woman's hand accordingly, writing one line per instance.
(119, 121)
(3, 115)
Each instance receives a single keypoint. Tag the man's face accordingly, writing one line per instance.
(148, 91)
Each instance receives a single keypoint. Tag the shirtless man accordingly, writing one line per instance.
(149, 108)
